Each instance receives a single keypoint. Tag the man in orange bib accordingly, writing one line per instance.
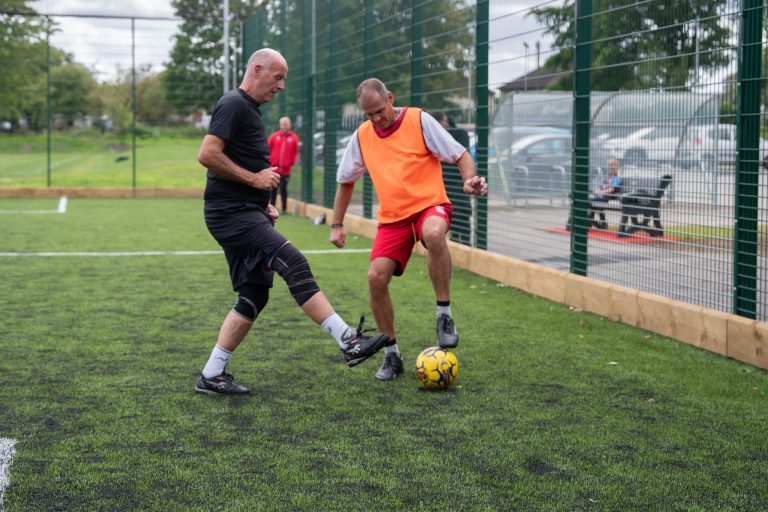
(401, 148)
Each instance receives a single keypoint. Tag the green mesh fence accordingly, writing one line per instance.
(423, 52)
(672, 92)
(551, 96)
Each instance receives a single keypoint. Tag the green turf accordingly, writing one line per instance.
(92, 161)
(99, 357)
(86, 158)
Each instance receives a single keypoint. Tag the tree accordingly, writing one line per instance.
(193, 79)
(642, 46)
(71, 84)
(22, 56)
(152, 107)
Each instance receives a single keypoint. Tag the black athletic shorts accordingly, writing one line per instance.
(249, 239)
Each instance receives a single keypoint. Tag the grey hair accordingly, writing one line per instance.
(371, 85)
(266, 57)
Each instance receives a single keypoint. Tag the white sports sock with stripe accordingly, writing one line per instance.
(217, 363)
(338, 328)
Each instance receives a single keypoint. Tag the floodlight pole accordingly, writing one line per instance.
(697, 38)
(226, 46)
(525, 76)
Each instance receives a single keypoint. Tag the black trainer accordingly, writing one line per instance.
(391, 367)
(223, 384)
(447, 337)
(360, 347)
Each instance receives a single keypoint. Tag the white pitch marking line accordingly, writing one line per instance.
(61, 209)
(159, 253)
(7, 451)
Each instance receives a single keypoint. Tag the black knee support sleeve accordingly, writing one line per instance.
(251, 301)
(293, 267)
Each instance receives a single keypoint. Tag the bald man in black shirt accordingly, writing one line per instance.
(242, 220)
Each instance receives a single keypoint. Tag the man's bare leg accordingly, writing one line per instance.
(380, 274)
(433, 234)
(233, 331)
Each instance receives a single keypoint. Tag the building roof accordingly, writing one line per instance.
(537, 80)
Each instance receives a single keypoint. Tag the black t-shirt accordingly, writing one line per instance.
(236, 119)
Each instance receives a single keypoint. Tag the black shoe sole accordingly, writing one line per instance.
(447, 345)
(355, 362)
(211, 392)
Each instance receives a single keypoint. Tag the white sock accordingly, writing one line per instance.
(392, 348)
(338, 328)
(444, 310)
(217, 362)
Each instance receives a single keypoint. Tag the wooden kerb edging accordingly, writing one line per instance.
(730, 335)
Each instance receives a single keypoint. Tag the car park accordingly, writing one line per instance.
(538, 164)
(714, 146)
(649, 143)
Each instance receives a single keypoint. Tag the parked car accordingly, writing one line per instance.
(342, 137)
(341, 146)
(714, 145)
(538, 164)
(318, 141)
(658, 143)
(501, 138)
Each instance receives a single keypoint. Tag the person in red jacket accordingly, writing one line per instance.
(283, 151)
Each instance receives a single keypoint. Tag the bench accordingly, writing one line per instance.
(639, 197)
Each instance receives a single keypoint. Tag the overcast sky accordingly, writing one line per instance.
(104, 44)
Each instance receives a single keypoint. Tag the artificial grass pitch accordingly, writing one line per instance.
(553, 409)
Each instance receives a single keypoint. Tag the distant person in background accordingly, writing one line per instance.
(608, 190)
(283, 151)
(454, 184)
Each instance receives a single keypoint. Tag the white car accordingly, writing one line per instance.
(715, 145)
(341, 147)
(658, 143)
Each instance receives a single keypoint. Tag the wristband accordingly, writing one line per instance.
(339, 225)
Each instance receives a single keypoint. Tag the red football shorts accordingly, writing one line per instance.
(396, 239)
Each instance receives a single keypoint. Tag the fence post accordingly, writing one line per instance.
(309, 105)
(481, 126)
(417, 35)
(367, 66)
(330, 107)
(133, 103)
(746, 200)
(48, 97)
(283, 49)
(581, 119)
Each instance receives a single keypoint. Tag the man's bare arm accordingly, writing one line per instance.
(340, 205)
(473, 184)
